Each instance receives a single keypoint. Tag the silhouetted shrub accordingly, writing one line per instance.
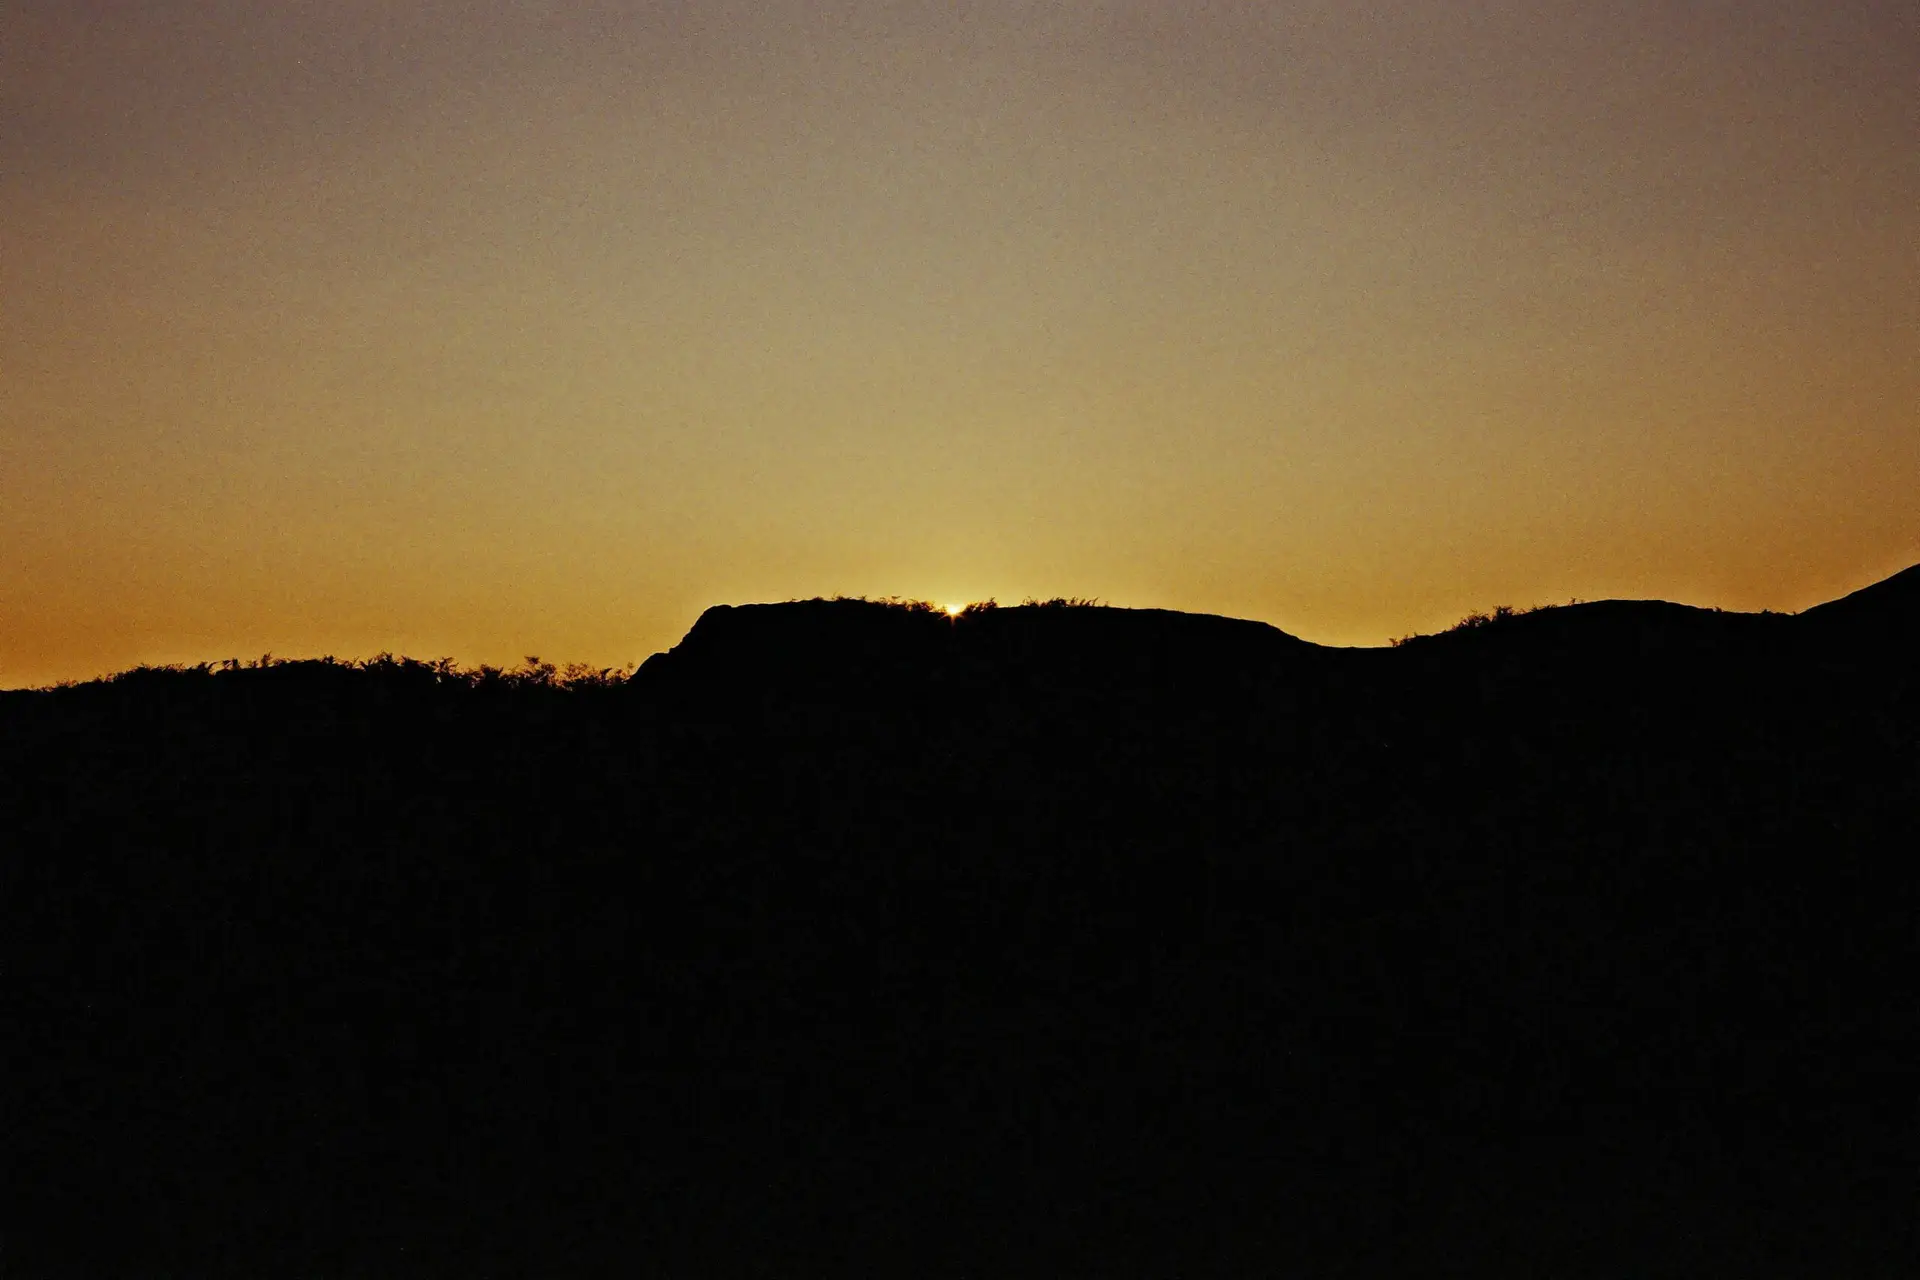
(1075, 941)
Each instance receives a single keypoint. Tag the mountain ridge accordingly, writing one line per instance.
(844, 630)
(848, 937)
(819, 634)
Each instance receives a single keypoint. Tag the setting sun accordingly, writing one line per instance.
(1434, 487)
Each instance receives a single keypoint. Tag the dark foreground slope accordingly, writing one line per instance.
(845, 939)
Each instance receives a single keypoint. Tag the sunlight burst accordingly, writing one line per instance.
(955, 610)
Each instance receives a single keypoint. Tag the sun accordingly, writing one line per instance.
(955, 610)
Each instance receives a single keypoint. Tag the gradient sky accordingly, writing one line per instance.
(487, 329)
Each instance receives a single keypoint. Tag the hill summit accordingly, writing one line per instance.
(1045, 939)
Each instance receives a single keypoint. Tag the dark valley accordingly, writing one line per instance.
(1053, 940)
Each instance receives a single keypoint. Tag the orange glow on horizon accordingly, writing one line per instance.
(486, 330)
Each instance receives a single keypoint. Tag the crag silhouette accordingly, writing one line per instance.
(1049, 940)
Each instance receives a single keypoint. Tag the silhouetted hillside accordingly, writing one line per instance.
(847, 937)
(1883, 616)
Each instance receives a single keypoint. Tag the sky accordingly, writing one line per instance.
(495, 329)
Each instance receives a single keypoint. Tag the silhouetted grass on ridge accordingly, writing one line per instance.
(1062, 940)
(534, 673)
